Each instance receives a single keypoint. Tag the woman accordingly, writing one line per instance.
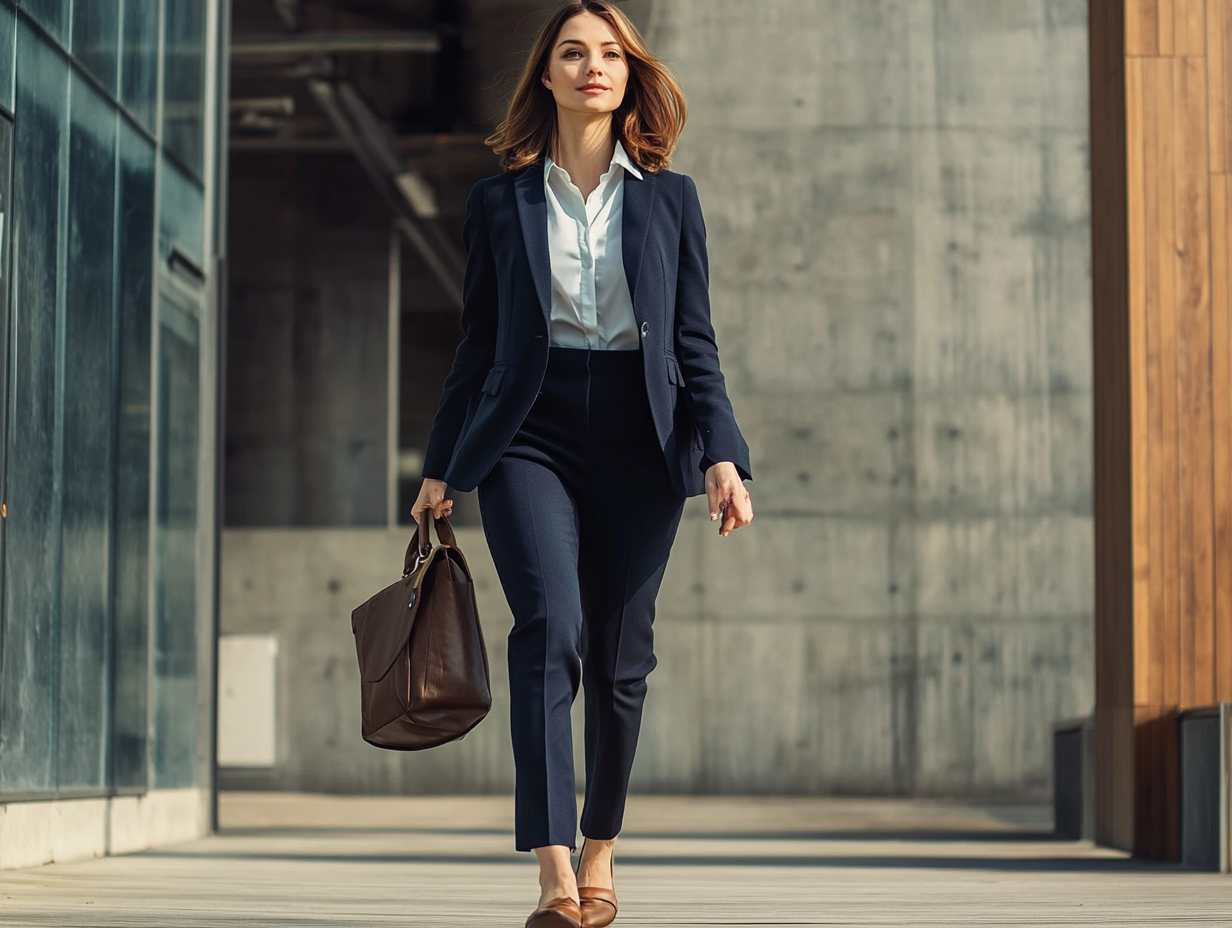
(585, 403)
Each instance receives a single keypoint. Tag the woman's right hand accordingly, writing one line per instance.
(432, 496)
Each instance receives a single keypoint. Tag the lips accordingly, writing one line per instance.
(592, 87)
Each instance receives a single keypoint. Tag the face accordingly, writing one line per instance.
(587, 72)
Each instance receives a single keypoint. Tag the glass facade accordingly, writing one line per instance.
(106, 403)
(184, 82)
(96, 43)
(139, 31)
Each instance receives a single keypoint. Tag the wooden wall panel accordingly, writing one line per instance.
(1142, 360)
(1157, 653)
(1192, 186)
(1177, 295)
(1189, 27)
(1219, 64)
(1141, 27)
(1221, 357)
(1119, 549)
(1165, 25)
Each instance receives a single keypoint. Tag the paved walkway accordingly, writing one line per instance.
(284, 860)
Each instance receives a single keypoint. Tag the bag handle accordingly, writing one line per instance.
(421, 541)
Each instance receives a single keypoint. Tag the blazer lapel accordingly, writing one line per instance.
(638, 208)
(533, 213)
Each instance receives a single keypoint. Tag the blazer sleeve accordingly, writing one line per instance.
(705, 388)
(477, 350)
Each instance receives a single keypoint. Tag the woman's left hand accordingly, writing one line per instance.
(727, 497)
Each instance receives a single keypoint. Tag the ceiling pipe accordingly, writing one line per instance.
(290, 12)
(329, 43)
(414, 188)
(379, 160)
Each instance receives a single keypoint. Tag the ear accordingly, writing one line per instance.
(547, 81)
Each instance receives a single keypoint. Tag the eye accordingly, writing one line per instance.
(613, 54)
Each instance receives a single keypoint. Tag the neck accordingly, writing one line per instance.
(584, 146)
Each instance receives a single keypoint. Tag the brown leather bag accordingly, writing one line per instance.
(423, 666)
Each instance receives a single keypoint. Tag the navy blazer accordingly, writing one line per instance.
(499, 366)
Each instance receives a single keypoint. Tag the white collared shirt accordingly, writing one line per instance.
(591, 303)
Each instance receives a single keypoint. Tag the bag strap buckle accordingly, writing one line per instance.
(420, 547)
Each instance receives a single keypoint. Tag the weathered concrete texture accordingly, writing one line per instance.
(897, 200)
(41, 832)
(312, 862)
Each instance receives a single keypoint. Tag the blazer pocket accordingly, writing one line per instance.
(491, 385)
(674, 374)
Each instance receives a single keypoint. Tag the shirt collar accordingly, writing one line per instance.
(619, 156)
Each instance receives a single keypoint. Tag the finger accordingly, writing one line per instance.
(739, 510)
(742, 509)
(724, 494)
(713, 498)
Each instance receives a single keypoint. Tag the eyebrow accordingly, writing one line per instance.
(583, 44)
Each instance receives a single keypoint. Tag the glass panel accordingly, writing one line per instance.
(86, 481)
(28, 687)
(6, 154)
(96, 36)
(175, 629)
(132, 486)
(139, 59)
(7, 52)
(52, 15)
(181, 214)
(184, 82)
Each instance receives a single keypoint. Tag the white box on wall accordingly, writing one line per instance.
(247, 701)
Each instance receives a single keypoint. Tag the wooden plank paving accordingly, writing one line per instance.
(292, 860)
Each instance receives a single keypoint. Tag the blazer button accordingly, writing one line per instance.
(645, 328)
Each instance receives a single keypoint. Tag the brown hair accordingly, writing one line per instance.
(648, 121)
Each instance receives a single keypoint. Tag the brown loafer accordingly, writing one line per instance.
(598, 906)
(559, 913)
(598, 903)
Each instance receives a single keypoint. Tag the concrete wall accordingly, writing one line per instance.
(897, 200)
(301, 585)
(54, 831)
(306, 343)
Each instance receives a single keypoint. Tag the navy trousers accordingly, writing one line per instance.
(580, 515)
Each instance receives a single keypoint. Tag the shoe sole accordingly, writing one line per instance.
(551, 920)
